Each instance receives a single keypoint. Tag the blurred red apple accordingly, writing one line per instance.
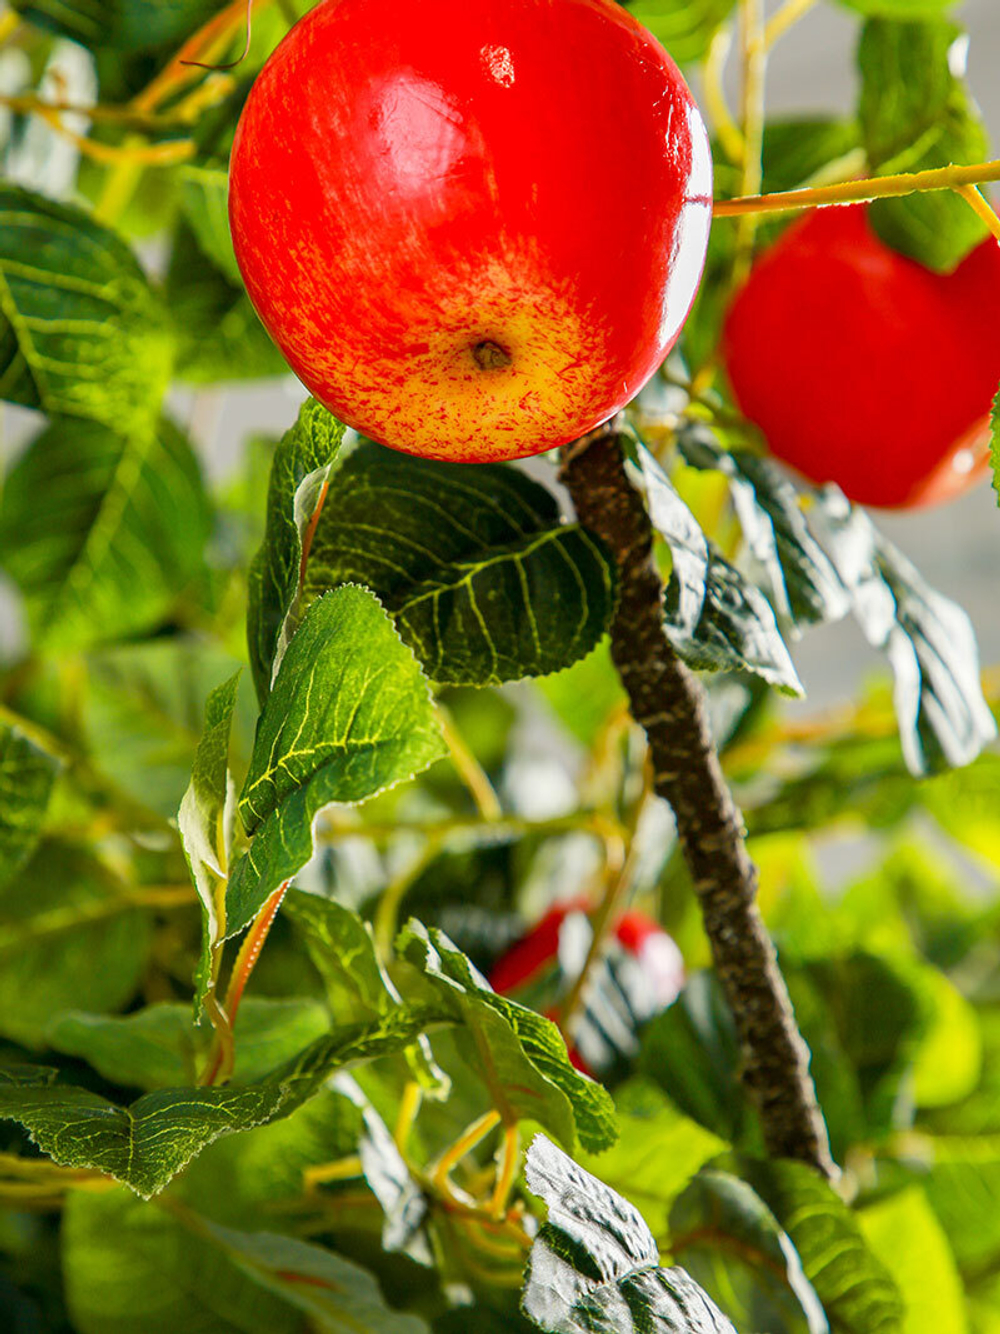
(474, 230)
(863, 368)
(639, 973)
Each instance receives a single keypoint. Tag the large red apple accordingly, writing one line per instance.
(473, 227)
(863, 368)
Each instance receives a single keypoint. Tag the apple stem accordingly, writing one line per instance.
(858, 192)
(490, 356)
(668, 702)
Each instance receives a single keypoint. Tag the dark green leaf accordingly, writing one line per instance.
(147, 1143)
(102, 531)
(350, 714)
(916, 114)
(218, 333)
(138, 1269)
(927, 638)
(159, 1047)
(205, 822)
(301, 469)
(729, 1241)
(27, 775)
(595, 1266)
(716, 620)
(480, 576)
(81, 332)
(857, 1291)
(70, 937)
(520, 1056)
(804, 584)
(692, 1052)
(685, 27)
(205, 200)
(123, 25)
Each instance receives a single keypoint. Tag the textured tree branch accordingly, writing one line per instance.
(668, 702)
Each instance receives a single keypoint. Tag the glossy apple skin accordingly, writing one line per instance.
(413, 180)
(863, 368)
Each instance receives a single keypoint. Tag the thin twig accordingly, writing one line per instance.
(668, 703)
(786, 17)
(856, 192)
(716, 105)
(973, 196)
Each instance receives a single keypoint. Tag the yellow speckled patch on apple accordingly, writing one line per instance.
(489, 367)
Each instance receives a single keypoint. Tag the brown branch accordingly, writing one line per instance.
(668, 702)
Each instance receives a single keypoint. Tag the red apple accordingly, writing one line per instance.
(863, 368)
(639, 974)
(473, 229)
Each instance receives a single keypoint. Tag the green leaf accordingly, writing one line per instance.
(685, 27)
(123, 25)
(995, 444)
(301, 470)
(715, 619)
(350, 714)
(218, 333)
(928, 639)
(729, 1241)
(133, 1268)
(81, 332)
(961, 1178)
(482, 579)
(595, 1267)
(160, 1047)
(691, 1050)
(657, 1151)
(907, 1237)
(70, 937)
(900, 9)
(205, 822)
(804, 583)
(519, 1055)
(147, 1143)
(205, 200)
(916, 114)
(102, 531)
(144, 711)
(27, 776)
(858, 1293)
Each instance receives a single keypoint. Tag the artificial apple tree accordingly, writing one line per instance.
(295, 758)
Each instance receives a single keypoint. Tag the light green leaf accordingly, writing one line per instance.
(657, 1151)
(205, 822)
(595, 1266)
(904, 1233)
(144, 711)
(961, 1178)
(70, 937)
(102, 531)
(301, 470)
(858, 1293)
(205, 200)
(716, 619)
(27, 776)
(147, 1143)
(916, 114)
(350, 714)
(482, 579)
(81, 332)
(133, 1268)
(519, 1055)
(685, 27)
(900, 9)
(730, 1242)
(159, 1047)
